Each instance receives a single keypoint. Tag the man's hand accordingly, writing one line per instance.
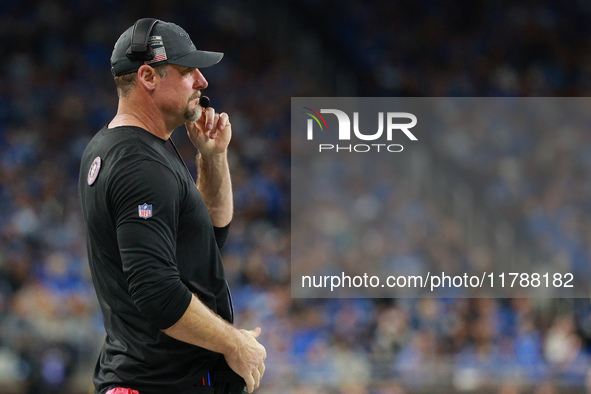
(210, 134)
(248, 360)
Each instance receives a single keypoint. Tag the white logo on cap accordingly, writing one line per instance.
(155, 41)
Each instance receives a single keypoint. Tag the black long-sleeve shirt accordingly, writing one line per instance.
(150, 245)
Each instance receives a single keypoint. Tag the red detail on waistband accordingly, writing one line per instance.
(121, 390)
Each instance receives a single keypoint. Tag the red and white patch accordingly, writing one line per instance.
(95, 167)
(145, 211)
(121, 390)
(159, 55)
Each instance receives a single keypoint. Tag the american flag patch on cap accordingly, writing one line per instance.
(159, 55)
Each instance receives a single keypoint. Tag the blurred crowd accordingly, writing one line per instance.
(57, 91)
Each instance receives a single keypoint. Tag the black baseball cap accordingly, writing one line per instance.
(165, 42)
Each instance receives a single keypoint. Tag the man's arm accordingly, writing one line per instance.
(199, 326)
(147, 248)
(214, 183)
(211, 134)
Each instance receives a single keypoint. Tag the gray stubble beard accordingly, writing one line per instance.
(191, 115)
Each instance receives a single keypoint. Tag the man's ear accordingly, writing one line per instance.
(148, 77)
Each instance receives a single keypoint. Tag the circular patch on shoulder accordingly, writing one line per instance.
(94, 170)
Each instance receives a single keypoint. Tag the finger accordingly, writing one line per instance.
(257, 378)
(249, 383)
(214, 127)
(256, 332)
(191, 127)
(224, 121)
(193, 130)
(262, 370)
(209, 117)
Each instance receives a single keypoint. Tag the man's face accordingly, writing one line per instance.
(180, 90)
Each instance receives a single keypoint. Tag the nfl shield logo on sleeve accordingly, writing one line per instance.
(145, 211)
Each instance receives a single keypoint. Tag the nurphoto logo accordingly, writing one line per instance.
(392, 126)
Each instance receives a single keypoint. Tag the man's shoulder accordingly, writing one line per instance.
(123, 137)
(122, 149)
(125, 144)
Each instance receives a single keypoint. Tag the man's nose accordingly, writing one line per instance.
(200, 81)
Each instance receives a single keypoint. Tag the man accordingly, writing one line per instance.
(154, 237)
